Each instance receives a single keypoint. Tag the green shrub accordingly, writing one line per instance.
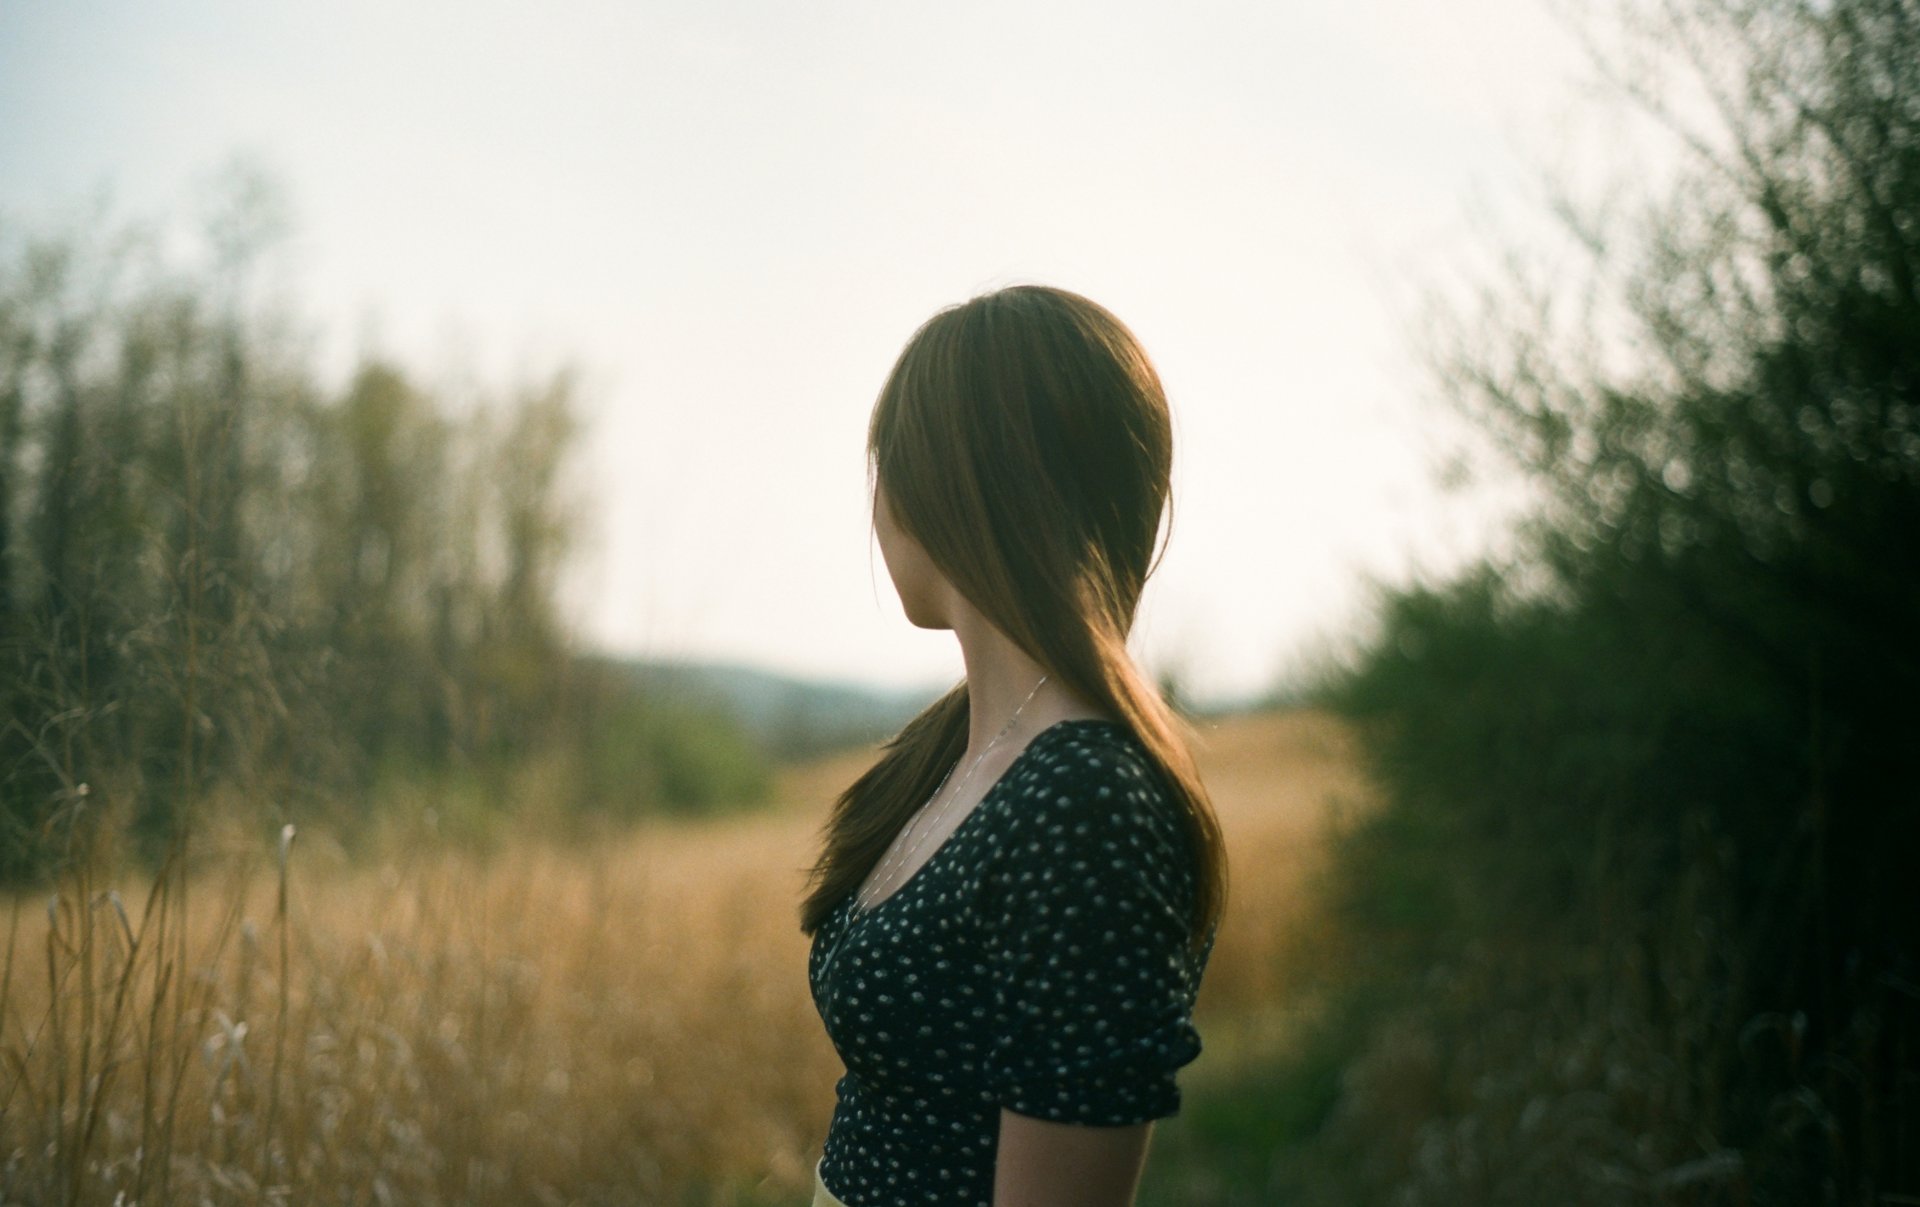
(650, 754)
(1643, 873)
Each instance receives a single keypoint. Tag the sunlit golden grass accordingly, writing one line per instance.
(626, 1022)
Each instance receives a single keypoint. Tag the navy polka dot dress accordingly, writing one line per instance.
(1038, 961)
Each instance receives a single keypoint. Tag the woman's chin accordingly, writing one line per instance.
(925, 619)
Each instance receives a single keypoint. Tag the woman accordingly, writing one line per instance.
(1014, 906)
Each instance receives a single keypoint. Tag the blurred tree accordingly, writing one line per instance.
(376, 492)
(219, 573)
(1649, 784)
(531, 524)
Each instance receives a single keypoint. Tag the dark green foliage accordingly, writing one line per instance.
(1646, 864)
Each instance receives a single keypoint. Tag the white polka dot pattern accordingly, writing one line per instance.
(1038, 961)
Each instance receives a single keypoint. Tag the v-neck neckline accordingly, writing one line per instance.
(857, 914)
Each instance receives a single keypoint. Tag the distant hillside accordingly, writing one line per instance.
(790, 718)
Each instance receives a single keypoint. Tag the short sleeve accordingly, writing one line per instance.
(1087, 945)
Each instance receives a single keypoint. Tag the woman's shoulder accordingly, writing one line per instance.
(1095, 774)
(1091, 822)
(1091, 748)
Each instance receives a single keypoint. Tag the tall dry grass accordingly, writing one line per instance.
(622, 1022)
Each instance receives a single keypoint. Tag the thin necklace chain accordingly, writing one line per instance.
(896, 858)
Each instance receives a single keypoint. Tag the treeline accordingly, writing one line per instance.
(222, 578)
(1637, 920)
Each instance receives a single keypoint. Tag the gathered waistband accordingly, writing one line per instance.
(822, 1197)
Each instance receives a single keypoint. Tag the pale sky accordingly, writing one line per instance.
(732, 215)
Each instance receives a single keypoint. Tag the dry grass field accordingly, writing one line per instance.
(621, 1022)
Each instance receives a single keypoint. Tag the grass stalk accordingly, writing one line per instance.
(271, 1129)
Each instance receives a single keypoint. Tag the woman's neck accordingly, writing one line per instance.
(1001, 681)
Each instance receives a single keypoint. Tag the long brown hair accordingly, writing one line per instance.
(1023, 439)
